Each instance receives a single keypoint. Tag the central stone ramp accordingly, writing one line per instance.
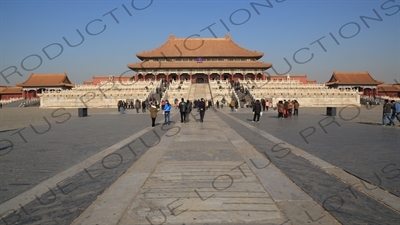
(202, 179)
(199, 91)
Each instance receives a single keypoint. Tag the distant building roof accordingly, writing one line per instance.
(199, 47)
(284, 76)
(10, 90)
(87, 82)
(108, 77)
(389, 88)
(352, 78)
(47, 80)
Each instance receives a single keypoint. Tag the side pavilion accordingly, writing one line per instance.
(37, 83)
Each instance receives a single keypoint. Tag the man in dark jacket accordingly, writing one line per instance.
(263, 104)
(182, 110)
(256, 111)
(296, 108)
(188, 109)
(202, 109)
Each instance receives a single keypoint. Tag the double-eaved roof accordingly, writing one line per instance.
(183, 48)
(352, 78)
(199, 47)
(47, 80)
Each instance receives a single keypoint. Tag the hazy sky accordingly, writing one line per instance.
(298, 37)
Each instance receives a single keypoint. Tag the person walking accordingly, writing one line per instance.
(267, 104)
(281, 107)
(202, 109)
(232, 105)
(137, 105)
(296, 108)
(387, 113)
(182, 110)
(121, 107)
(188, 109)
(167, 111)
(256, 111)
(143, 106)
(263, 104)
(153, 113)
(396, 110)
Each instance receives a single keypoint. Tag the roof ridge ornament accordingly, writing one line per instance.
(228, 36)
(171, 36)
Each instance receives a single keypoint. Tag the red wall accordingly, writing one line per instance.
(9, 96)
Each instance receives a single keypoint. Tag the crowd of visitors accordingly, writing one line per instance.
(287, 109)
(391, 110)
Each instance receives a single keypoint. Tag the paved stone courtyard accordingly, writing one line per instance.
(107, 168)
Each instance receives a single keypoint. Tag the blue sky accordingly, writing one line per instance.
(333, 33)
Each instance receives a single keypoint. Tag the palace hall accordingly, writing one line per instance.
(200, 60)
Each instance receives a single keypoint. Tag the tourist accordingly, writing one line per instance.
(167, 111)
(256, 111)
(296, 108)
(143, 106)
(125, 105)
(387, 113)
(176, 103)
(285, 108)
(232, 105)
(281, 109)
(182, 110)
(153, 113)
(217, 103)
(202, 109)
(263, 104)
(188, 109)
(162, 104)
(137, 105)
(121, 106)
(395, 110)
(291, 108)
(267, 104)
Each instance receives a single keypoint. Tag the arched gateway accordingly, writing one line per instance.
(199, 60)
